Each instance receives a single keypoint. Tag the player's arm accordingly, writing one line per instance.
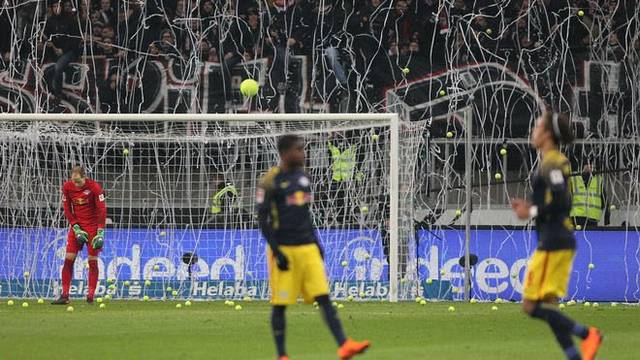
(264, 200)
(101, 216)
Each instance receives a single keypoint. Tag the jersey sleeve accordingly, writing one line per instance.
(264, 203)
(68, 209)
(556, 199)
(100, 205)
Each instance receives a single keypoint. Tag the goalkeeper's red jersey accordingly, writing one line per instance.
(85, 205)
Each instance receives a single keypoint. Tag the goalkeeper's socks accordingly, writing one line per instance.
(278, 325)
(331, 317)
(67, 274)
(93, 278)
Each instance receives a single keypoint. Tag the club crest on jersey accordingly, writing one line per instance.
(299, 198)
(303, 181)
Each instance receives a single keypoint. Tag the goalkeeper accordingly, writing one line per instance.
(85, 208)
(295, 258)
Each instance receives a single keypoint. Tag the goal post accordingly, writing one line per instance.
(181, 184)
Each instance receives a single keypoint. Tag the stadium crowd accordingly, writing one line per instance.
(354, 46)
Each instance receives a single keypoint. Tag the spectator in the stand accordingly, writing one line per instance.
(588, 198)
(108, 50)
(107, 12)
(64, 34)
(213, 55)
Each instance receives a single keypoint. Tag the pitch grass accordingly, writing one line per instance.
(212, 330)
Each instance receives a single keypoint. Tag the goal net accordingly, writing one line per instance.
(180, 193)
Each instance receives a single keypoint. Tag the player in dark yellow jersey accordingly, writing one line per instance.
(295, 257)
(549, 268)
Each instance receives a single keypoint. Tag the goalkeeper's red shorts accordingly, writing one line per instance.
(74, 247)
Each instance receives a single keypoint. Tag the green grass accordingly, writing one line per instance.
(212, 330)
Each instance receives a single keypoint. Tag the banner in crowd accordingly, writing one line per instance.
(233, 264)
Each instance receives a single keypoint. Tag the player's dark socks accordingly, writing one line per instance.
(561, 326)
(278, 325)
(580, 331)
(572, 353)
(93, 278)
(331, 317)
(67, 274)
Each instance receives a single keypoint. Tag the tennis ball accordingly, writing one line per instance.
(571, 302)
(344, 263)
(249, 87)
(187, 303)
(612, 207)
(69, 308)
(125, 152)
(587, 304)
(473, 300)
(40, 301)
(580, 13)
(578, 227)
(99, 300)
(315, 303)
(10, 302)
(451, 309)
(145, 298)
(429, 281)
(402, 281)
(126, 283)
(163, 233)
(112, 287)
(361, 294)
(406, 71)
(489, 31)
(350, 298)
(418, 299)
(26, 274)
(147, 282)
(498, 176)
(614, 304)
(246, 298)
(503, 151)
(174, 293)
(458, 212)
(335, 304)
(498, 301)
(375, 137)
(231, 303)
(178, 306)
(591, 266)
(494, 308)
(107, 297)
(169, 288)
(449, 134)
(226, 302)
(238, 307)
(110, 281)
(25, 304)
(340, 306)
(595, 304)
(442, 272)
(561, 306)
(442, 93)
(102, 306)
(367, 256)
(364, 209)
(156, 267)
(423, 302)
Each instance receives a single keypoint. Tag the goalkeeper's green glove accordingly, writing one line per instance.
(98, 240)
(81, 235)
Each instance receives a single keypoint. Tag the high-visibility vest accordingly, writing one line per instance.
(586, 202)
(216, 207)
(343, 162)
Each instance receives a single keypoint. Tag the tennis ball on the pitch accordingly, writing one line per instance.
(361, 294)
(147, 282)
(449, 134)
(107, 297)
(238, 307)
(26, 274)
(418, 299)
(10, 302)
(580, 13)
(25, 304)
(375, 137)
(231, 303)
(364, 209)
(344, 263)
(614, 304)
(473, 300)
(423, 302)
(178, 306)
(498, 176)
(102, 306)
(169, 289)
(350, 298)
(156, 267)
(340, 306)
(442, 93)
(249, 87)
(145, 298)
(315, 303)
(451, 309)
(503, 151)
(494, 308)
(587, 304)
(174, 293)
(561, 306)
(612, 207)
(246, 298)
(99, 300)
(335, 304)
(595, 304)
(498, 301)
(226, 302)
(489, 31)
(187, 303)
(69, 308)
(571, 302)
(591, 266)
(125, 152)
(40, 301)
(406, 71)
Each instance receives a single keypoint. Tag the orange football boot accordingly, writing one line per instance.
(591, 344)
(351, 348)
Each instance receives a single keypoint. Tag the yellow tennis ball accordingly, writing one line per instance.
(503, 151)
(125, 152)
(406, 71)
(442, 93)
(449, 134)
(580, 13)
(498, 176)
(249, 87)
(489, 31)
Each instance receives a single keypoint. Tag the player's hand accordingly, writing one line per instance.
(98, 240)
(281, 261)
(521, 208)
(81, 235)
